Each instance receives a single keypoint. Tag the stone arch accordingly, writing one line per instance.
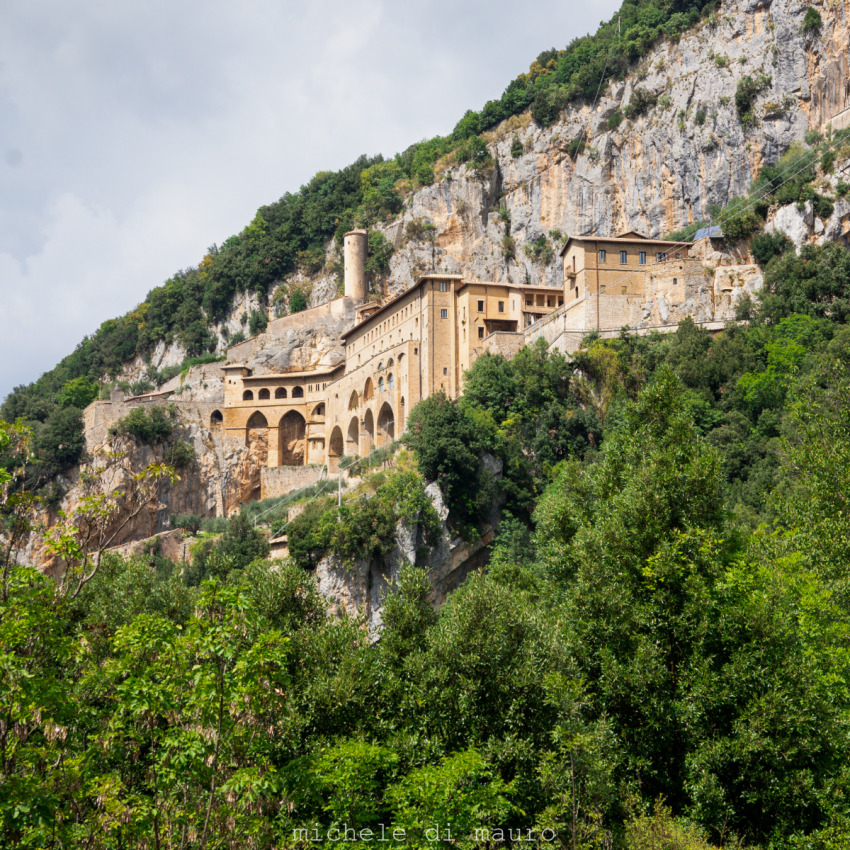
(248, 395)
(386, 425)
(336, 449)
(352, 442)
(368, 390)
(264, 394)
(292, 445)
(368, 437)
(216, 419)
(389, 363)
(354, 401)
(280, 392)
(298, 392)
(257, 437)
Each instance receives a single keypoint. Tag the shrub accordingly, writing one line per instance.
(812, 22)
(540, 250)
(154, 425)
(508, 248)
(516, 147)
(642, 100)
(78, 392)
(740, 219)
(298, 302)
(576, 146)
(765, 246)
(238, 337)
(258, 322)
(823, 207)
(179, 454)
(615, 119)
(188, 522)
(700, 115)
(448, 440)
(378, 259)
(827, 161)
(745, 96)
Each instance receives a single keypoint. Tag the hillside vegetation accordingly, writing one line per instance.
(655, 657)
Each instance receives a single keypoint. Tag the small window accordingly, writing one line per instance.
(529, 302)
(480, 332)
(444, 314)
(444, 286)
(264, 394)
(247, 395)
(380, 385)
(560, 302)
(501, 306)
(480, 306)
(601, 256)
(675, 281)
(390, 380)
(624, 258)
(622, 290)
(445, 370)
(642, 258)
(660, 258)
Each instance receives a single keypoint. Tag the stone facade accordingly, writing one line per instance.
(423, 340)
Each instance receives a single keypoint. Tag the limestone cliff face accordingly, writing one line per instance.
(655, 173)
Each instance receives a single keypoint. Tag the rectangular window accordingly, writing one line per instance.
(445, 370)
(675, 281)
(444, 314)
(624, 258)
(480, 332)
(444, 286)
(660, 258)
(601, 256)
(529, 302)
(642, 258)
(501, 306)
(480, 306)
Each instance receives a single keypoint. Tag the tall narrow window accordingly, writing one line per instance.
(601, 256)
(624, 258)
(480, 332)
(501, 306)
(444, 314)
(480, 306)
(444, 286)
(642, 258)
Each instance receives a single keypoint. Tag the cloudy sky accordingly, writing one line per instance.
(133, 134)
